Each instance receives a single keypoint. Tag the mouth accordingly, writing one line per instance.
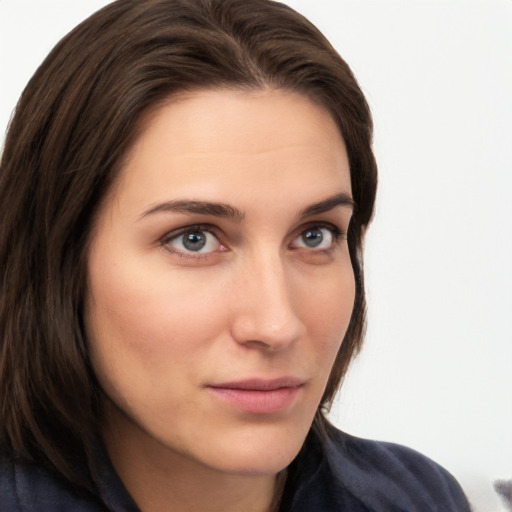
(259, 396)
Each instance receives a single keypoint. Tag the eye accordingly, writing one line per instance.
(317, 237)
(192, 240)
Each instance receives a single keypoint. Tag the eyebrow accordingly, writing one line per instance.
(339, 199)
(200, 207)
(227, 211)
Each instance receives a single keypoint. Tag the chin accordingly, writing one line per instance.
(264, 451)
(261, 463)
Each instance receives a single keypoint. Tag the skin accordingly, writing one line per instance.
(165, 323)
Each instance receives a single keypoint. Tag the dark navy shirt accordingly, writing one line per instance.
(338, 474)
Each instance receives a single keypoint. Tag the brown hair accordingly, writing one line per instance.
(73, 124)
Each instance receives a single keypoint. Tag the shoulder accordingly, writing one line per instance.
(335, 471)
(26, 488)
(387, 476)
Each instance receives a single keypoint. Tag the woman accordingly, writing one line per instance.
(185, 189)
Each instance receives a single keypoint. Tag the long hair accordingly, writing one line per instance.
(74, 123)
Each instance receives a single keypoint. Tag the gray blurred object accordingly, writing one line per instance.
(504, 489)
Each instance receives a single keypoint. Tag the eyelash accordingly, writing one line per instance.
(336, 233)
(195, 228)
(337, 236)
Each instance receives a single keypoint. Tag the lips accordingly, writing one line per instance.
(259, 396)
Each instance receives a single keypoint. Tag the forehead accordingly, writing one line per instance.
(235, 142)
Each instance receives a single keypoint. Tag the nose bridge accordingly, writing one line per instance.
(266, 314)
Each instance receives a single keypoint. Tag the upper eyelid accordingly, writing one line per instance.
(214, 230)
(322, 224)
(338, 217)
(174, 233)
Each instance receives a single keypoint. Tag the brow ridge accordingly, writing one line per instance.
(199, 207)
(228, 211)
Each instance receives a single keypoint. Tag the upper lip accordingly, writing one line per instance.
(259, 384)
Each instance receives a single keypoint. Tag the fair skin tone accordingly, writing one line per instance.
(220, 288)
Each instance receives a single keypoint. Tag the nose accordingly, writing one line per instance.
(266, 303)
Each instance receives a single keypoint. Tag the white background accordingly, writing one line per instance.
(436, 370)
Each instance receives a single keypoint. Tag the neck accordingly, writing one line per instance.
(159, 479)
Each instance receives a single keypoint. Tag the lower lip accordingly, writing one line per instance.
(257, 401)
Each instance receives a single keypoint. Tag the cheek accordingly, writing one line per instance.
(144, 325)
(327, 309)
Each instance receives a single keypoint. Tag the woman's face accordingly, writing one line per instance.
(220, 282)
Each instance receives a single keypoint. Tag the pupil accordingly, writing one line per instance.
(313, 237)
(194, 241)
